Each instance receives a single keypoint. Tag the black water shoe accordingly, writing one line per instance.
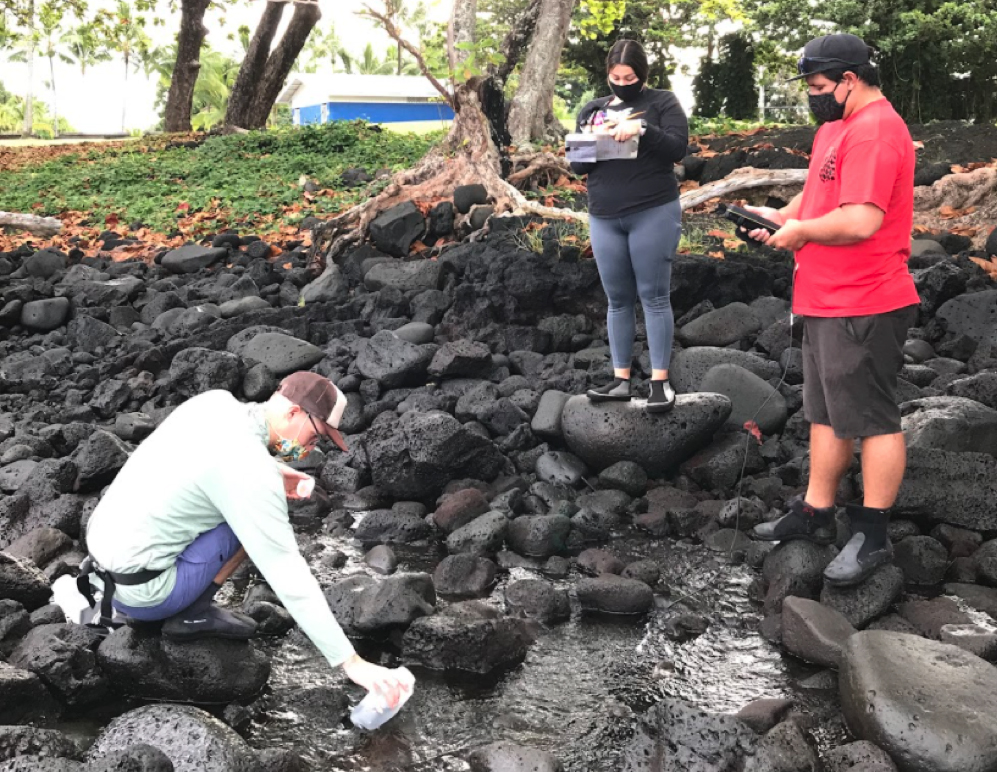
(801, 522)
(616, 391)
(868, 549)
(210, 622)
(662, 397)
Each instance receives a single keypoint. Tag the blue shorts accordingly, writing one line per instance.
(197, 567)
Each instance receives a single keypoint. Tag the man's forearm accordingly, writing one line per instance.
(791, 211)
(835, 229)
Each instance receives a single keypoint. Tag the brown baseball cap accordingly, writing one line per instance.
(320, 398)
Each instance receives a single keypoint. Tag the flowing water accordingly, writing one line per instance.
(576, 694)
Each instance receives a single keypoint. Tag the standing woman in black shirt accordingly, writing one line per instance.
(635, 218)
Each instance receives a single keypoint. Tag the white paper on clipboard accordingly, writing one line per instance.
(588, 148)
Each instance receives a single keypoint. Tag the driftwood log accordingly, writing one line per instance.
(40, 226)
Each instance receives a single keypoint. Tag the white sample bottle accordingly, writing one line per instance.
(305, 487)
(372, 711)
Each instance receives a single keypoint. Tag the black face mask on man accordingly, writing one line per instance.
(826, 107)
(629, 92)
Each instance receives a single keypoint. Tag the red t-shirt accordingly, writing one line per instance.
(867, 158)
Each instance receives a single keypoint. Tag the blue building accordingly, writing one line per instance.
(319, 98)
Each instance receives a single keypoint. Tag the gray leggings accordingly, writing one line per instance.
(634, 254)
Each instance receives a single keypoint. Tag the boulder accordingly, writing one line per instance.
(674, 736)
(981, 388)
(365, 605)
(971, 315)
(813, 632)
(40, 545)
(868, 600)
(192, 258)
(63, 656)
(784, 749)
(24, 698)
(45, 315)
(980, 598)
(928, 616)
(466, 196)
(560, 468)
(90, 334)
(538, 535)
(408, 276)
(859, 756)
(483, 535)
(194, 741)
(950, 423)
(146, 665)
(40, 743)
(386, 526)
(626, 476)
(282, 354)
(464, 576)
(506, 757)
(415, 456)
(720, 464)
(459, 508)
(381, 559)
(466, 637)
(751, 397)
(98, 460)
(196, 370)
(546, 422)
(537, 599)
(720, 327)
(689, 366)
(393, 362)
(21, 581)
(929, 705)
(942, 486)
(762, 715)
(394, 230)
(922, 559)
(794, 568)
(602, 434)
(610, 594)
(976, 639)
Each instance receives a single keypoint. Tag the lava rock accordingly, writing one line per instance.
(784, 749)
(196, 370)
(506, 757)
(45, 315)
(950, 423)
(468, 638)
(21, 581)
(721, 327)
(859, 756)
(539, 535)
(762, 715)
(394, 230)
(560, 468)
(922, 559)
(98, 460)
(946, 487)
(929, 705)
(459, 508)
(365, 605)
(190, 738)
(794, 568)
(971, 315)
(392, 361)
(381, 559)
(63, 656)
(386, 526)
(408, 276)
(144, 664)
(813, 632)
(483, 535)
(609, 594)
(751, 397)
(282, 354)
(47, 744)
(464, 576)
(868, 600)
(466, 196)
(602, 434)
(24, 698)
(537, 599)
(689, 366)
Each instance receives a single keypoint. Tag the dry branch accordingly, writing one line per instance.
(742, 179)
(392, 30)
(40, 226)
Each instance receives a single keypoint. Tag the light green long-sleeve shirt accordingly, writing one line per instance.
(208, 464)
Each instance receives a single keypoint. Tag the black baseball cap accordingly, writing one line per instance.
(832, 52)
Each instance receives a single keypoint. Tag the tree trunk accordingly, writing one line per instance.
(40, 226)
(124, 96)
(460, 30)
(280, 62)
(180, 100)
(516, 40)
(55, 103)
(29, 99)
(251, 71)
(529, 110)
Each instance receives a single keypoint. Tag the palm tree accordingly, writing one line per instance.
(211, 91)
(322, 47)
(407, 18)
(371, 65)
(85, 46)
(24, 51)
(50, 19)
(128, 39)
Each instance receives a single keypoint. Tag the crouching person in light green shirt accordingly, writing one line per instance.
(175, 524)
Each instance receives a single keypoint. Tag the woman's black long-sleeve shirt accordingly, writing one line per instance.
(621, 187)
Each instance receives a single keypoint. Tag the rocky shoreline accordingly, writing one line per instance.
(471, 448)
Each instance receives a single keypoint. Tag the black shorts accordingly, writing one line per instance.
(850, 367)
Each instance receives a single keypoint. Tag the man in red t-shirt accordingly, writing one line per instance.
(850, 229)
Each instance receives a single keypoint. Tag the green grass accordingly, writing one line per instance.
(230, 179)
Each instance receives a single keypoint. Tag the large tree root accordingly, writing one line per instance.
(40, 226)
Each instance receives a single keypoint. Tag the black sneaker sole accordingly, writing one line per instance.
(864, 574)
(822, 541)
(661, 407)
(202, 635)
(595, 396)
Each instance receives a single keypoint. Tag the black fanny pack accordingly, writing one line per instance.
(111, 580)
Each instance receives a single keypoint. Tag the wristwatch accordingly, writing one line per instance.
(643, 126)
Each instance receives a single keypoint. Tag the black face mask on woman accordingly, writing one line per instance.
(629, 92)
(826, 107)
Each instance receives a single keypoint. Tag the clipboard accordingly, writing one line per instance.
(589, 148)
